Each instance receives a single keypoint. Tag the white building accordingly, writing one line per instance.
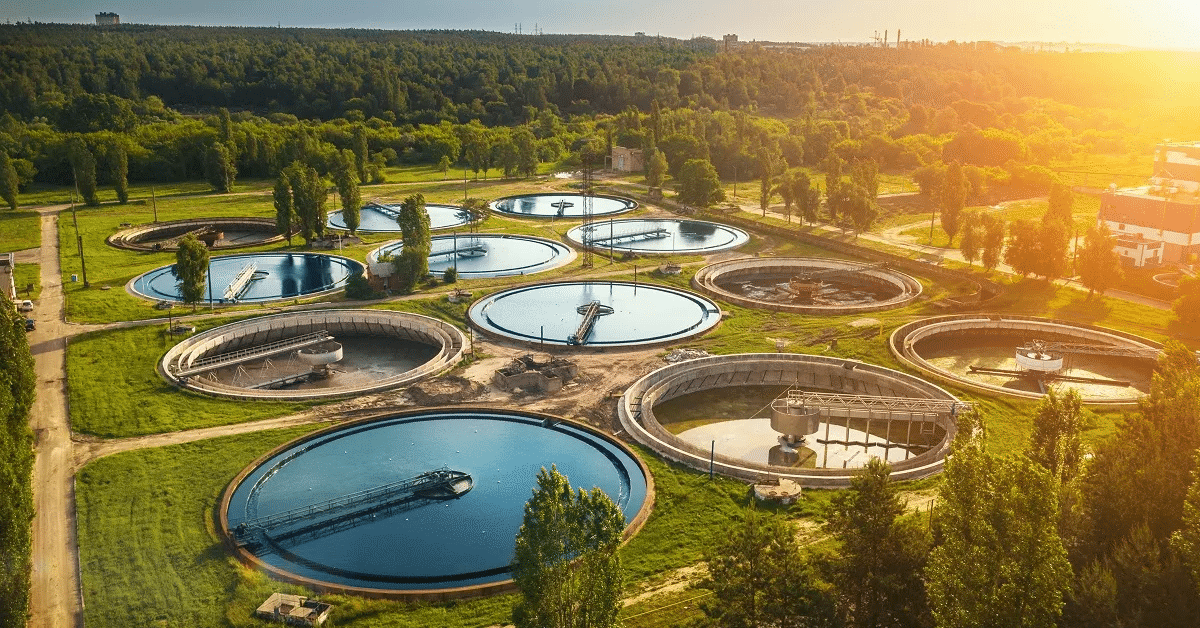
(1159, 223)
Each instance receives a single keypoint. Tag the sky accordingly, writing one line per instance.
(1140, 23)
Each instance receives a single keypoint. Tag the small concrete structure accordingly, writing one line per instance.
(293, 610)
(627, 159)
(527, 373)
(777, 490)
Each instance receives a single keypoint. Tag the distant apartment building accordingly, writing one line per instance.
(627, 159)
(104, 18)
(1159, 223)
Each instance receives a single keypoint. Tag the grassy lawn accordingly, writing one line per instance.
(116, 391)
(19, 230)
(28, 275)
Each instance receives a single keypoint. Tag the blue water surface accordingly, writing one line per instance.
(372, 220)
(279, 276)
(489, 255)
(649, 235)
(560, 205)
(459, 542)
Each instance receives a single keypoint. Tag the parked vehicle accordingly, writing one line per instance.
(30, 324)
(25, 306)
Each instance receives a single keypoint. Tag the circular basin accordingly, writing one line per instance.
(659, 236)
(375, 218)
(558, 205)
(255, 278)
(486, 255)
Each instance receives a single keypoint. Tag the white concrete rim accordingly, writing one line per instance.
(415, 327)
(353, 263)
(904, 338)
(705, 280)
(645, 429)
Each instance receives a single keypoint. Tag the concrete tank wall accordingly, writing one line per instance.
(635, 409)
(906, 288)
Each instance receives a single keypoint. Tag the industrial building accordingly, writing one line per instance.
(1159, 223)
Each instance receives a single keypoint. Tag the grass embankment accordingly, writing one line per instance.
(19, 230)
(28, 278)
(150, 556)
(1084, 216)
(116, 392)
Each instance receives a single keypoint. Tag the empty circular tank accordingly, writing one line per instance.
(217, 233)
(418, 505)
(979, 352)
(820, 374)
(485, 255)
(381, 218)
(274, 357)
(658, 236)
(561, 205)
(807, 285)
(594, 314)
(255, 278)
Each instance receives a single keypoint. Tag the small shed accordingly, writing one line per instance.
(293, 610)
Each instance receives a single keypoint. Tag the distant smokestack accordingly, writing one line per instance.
(885, 34)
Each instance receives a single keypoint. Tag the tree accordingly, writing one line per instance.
(479, 211)
(954, 194)
(699, 183)
(527, 157)
(1000, 562)
(9, 181)
(1062, 202)
(444, 166)
(347, 185)
(1057, 426)
(856, 204)
(413, 261)
(787, 193)
(1186, 540)
(1099, 263)
(759, 578)
(766, 167)
(566, 561)
(361, 155)
(833, 183)
(119, 164)
(1187, 306)
(972, 237)
(1053, 243)
(308, 199)
(656, 168)
(83, 166)
(877, 571)
(285, 210)
(191, 269)
(219, 168)
(1023, 247)
(993, 241)
(17, 379)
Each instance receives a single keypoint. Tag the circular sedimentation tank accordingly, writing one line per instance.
(1022, 356)
(255, 278)
(658, 236)
(486, 255)
(561, 205)
(381, 218)
(814, 445)
(807, 285)
(423, 504)
(217, 233)
(595, 314)
(314, 354)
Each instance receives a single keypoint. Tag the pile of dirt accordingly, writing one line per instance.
(448, 390)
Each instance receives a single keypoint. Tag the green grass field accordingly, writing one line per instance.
(150, 556)
(27, 275)
(19, 230)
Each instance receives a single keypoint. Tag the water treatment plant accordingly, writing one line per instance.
(658, 236)
(478, 255)
(421, 504)
(1023, 356)
(807, 285)
(376, 217)
(559, 205)
(312, 355)
(216, 233)
(594, 314)
(254, 277)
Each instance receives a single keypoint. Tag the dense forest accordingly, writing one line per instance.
(145, 100)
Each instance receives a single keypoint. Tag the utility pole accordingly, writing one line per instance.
(154, 203)
(931, 217)
(78, 238)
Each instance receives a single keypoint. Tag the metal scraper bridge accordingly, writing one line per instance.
(441, 483)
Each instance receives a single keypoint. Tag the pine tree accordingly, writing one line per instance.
(954, 194)
(347, 184)
(83, 166)
(1099, 263)
(285, 210)
(119, 161)
(219, 168)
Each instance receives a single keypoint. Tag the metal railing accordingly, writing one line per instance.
(276, 347)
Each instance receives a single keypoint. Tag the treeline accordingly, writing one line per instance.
(16, 466)
(1057, 534)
